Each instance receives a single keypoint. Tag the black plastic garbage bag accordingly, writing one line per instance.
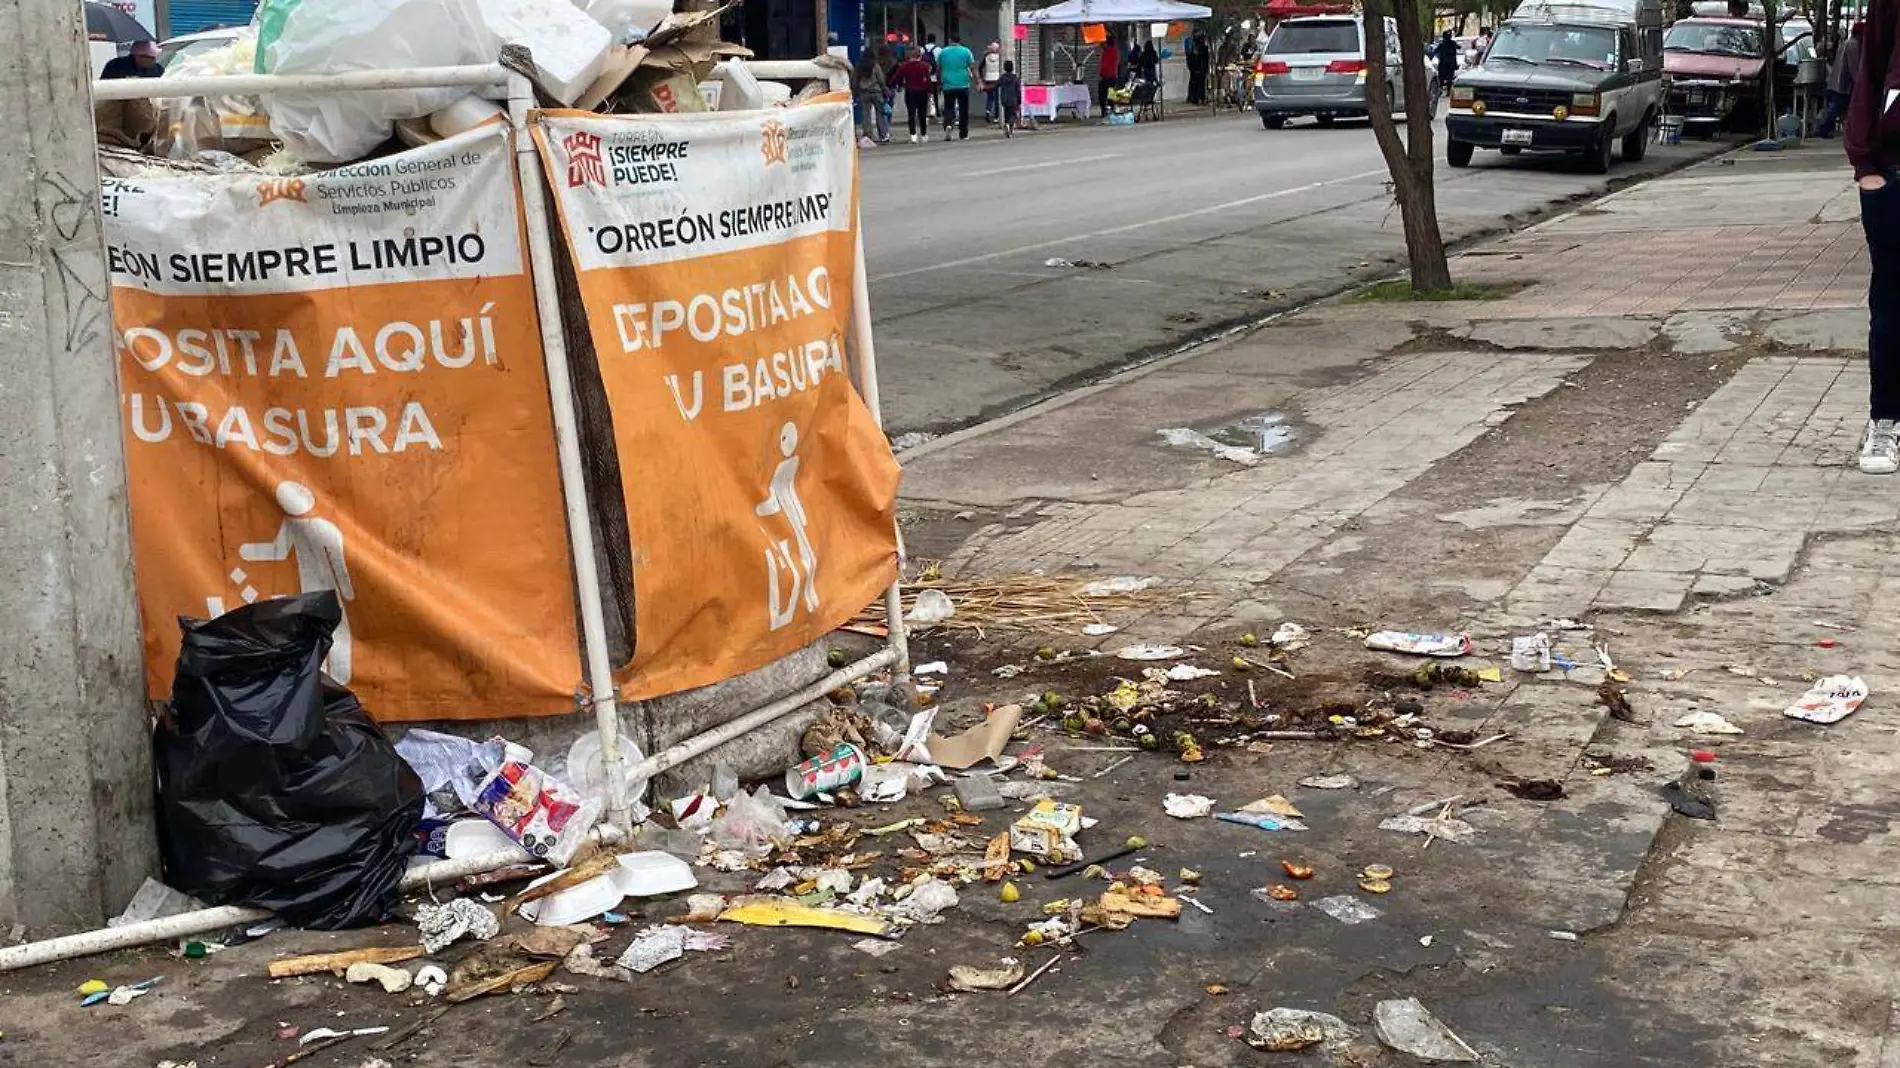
(276, 789)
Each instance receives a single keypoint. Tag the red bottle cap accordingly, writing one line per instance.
(1702, 756)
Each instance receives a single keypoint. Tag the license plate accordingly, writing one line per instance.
(1517, 137)
(1308, 74)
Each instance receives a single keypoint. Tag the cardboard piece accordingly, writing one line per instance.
(1048, 830)
(1156, 908)
(684, 43)
(985, 741)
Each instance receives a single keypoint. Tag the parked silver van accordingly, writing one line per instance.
(1317, 66)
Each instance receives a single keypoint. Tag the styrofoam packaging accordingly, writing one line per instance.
(567, 44)
(463, 115)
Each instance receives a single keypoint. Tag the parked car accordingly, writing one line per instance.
(1317, 66)
(1714, 66)
(1576, 76)
(173, 49)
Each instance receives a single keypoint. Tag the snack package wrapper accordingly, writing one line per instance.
(549, 818)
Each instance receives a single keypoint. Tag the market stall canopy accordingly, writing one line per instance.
(1071, 12)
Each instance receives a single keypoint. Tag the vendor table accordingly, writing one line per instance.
(1043, 99)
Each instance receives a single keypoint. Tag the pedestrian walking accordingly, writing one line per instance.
(931, 48)
(913, 78)
(1840, 81)
(1009, 97)
(1109, 71)
(1873, 147)
(1197, 59)
(992, 74)
(1445, 52)
(956, 73)
(870, 81)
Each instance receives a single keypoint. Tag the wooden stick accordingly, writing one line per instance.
(1046, 965)
(335, 962)
(1113, 766)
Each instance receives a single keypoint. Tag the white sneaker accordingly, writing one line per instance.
(1880, 455)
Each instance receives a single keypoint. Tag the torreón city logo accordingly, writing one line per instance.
(584, 166)
(773, 142)
(281, 189)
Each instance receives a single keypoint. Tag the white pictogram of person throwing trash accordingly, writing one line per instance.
(781, 499)
(318, 546)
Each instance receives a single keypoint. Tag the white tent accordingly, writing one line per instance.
(1071, 12)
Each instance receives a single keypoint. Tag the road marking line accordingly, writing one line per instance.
(1113, 230)
(1039, 166)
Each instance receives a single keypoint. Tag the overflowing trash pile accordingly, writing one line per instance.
(616, 56)
(992, 811)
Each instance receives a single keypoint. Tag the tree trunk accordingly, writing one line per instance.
(1409, 160)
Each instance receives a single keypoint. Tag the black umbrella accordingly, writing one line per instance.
(107, 23)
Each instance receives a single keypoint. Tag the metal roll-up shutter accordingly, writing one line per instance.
(190, 16)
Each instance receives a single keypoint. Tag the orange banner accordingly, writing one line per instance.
(336, 382)
(715, 257)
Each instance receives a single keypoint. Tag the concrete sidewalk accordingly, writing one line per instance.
(1655, 433)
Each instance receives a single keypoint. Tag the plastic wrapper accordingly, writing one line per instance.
(190, 126)
(339, 36)
(275, 788)
(544, 815)
(751, 823)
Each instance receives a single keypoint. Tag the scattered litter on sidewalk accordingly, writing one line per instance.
(1829, 700)
(1290, 638)
(653, 947)
(792, 914)
(1563, 936)
(392, 980)
(318, 963)
(431, 979)
(325, 1034)
(932, 606)
(1149, 652)
(1533, 789)
(154, 901)
(1347, 909)
(1705, 722)
(969, 978)
(1419, 644)
(1098, 630)
(1447, 827)
(1612, 696)
(1693, 793)
(1181, 437)
(1189, 673)
(1283, 1030)
(1531, 653)
(1407, 1026)
(1329, 782)
(442, 925)
(1273, 805)
(1187, 806)
(841, 767)
(1120, 585)
(1048, 832)
(876, 947)
(1261, 821)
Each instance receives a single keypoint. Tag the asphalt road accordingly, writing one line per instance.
(1203, 223)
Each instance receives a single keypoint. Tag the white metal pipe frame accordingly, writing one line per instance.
(598, 664)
